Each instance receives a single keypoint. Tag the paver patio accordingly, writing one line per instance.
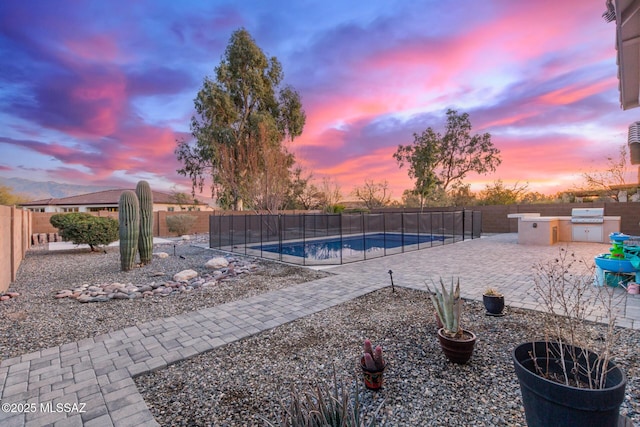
(93, 377)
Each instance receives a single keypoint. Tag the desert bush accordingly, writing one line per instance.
(180, 224)
(84, 228)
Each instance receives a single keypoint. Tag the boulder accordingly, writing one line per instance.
(161, 255)
(185, 275)
(216, 263)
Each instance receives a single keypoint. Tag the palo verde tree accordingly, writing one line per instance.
(243, 117)
(437, 161)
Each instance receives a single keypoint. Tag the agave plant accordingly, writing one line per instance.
(325, 406)
(448, 306)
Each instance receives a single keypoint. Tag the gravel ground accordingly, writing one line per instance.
(242, 383)
(35, 320)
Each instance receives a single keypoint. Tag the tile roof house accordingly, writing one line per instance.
(108, 201)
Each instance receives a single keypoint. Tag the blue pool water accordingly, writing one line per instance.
(352, 245)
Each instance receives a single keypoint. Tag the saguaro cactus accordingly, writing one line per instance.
(145, 240)
(129, 218)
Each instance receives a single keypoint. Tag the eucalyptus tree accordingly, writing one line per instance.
(243, 118)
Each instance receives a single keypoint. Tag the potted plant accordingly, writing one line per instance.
(493, 302)
(373, 366)
(457, 343)
(569, 378)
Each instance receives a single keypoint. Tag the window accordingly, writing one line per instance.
(170, 209)
(76, 209)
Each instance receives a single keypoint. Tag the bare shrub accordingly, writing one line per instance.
(565, 288)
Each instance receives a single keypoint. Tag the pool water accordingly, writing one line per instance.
(348, 246)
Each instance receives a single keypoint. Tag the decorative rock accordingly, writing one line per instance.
(161, 255)
(183, 282)
(4, 297)
(217, 263)
(84, 298)
(63, 294)
(185, 275)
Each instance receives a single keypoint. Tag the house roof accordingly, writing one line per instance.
(107, 197)
(628, 55)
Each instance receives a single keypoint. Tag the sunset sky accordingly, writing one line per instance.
(98, 92)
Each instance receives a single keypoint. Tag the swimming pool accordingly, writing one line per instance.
(335, 247)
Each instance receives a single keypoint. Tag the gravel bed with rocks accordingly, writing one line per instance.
(36, 320)
(242, 383)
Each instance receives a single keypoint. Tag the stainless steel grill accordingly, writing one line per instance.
(587, 215)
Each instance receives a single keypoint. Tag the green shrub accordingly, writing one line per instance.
(180, 224)
(335, 209)
(84, 228)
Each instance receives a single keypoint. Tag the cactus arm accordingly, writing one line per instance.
(145, 239)
(129, 223)
(377, 358)
(369, 363)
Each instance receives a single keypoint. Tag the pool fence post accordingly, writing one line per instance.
(261, 232)
(464, 225)
(431, 227)
(442, 228)
(364, 237)
(304, 246)
(402, 230)
(384, 232)
(245, 234)
(280, 237)
(340, 225)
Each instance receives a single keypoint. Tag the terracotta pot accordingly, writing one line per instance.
(372, 379)
(457, 350)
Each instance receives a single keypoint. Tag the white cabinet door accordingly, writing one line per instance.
(587, 233)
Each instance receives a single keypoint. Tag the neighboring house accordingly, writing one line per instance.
(108, 201)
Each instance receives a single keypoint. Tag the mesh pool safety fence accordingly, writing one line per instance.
(318, 239)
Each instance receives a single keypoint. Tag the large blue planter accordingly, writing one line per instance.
(549, 403)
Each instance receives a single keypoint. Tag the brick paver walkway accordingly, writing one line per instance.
(90, 382)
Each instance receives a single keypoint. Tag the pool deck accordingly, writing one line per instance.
(94, 376)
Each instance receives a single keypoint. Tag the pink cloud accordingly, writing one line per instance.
(577, 92)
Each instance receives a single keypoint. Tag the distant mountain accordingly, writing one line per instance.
(38, 190)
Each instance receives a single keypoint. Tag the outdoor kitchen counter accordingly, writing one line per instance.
(534, 229)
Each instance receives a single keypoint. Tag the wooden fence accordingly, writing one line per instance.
(15, 233)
